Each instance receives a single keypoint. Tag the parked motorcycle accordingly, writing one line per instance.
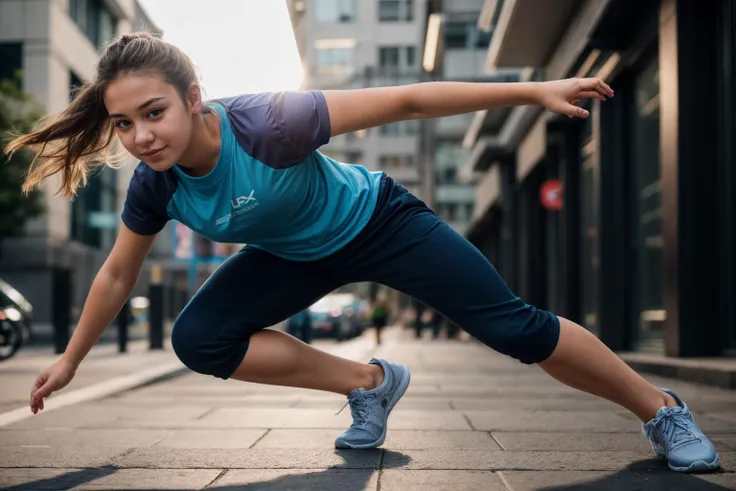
(13, 332)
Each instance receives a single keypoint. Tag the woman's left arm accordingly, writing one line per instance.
(353, 110)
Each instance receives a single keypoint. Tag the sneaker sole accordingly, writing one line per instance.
(698, 466)
(403, 385)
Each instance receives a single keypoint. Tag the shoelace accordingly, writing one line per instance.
(676, 425)
(358, 410)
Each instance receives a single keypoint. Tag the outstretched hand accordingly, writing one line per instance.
(53, 378)
(560, 96)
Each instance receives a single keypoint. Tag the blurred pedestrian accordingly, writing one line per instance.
(380, 315)
(299, 325)
(247, 169)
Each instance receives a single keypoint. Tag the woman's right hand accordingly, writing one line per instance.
(53, 378)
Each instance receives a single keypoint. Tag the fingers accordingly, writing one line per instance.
(40, 381)
(591, 94)
(38, 395)
(576, 112)
(597, 85)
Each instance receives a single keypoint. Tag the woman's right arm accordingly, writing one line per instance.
(110, 289)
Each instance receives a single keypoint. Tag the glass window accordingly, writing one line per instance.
(589, 227)
(335, 61)
(11, 60)
(94, 19)
(396, 59)
(400, 128)
(393, 162)
(335, 11)
(94, 211)
(647, 211)
(396, 10)
(464, 34)
(469, 211)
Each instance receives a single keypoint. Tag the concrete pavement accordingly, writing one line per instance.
(470, 420)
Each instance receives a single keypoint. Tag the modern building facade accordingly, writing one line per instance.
(454, 50)
(354, 44)
(623, 221)
(56, 45)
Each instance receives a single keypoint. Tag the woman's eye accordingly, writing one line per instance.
(155, 112)
(121, 124)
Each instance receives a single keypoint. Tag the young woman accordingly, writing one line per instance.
(247, 170)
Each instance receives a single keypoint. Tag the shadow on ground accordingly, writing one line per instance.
(639, 476)
(351, 475)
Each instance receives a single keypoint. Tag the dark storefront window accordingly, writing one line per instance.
(589, 228)
(11, 60)
(646, 211)
(94, 217)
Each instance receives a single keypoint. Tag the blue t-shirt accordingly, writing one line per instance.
(270, 187)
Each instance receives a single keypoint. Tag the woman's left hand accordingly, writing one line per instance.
(560, 96)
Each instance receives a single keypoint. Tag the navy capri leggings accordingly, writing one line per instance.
(404, 246)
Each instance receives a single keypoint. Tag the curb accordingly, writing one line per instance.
(99, 390)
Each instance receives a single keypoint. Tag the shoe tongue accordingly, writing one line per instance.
(357, 395)
(664, 410)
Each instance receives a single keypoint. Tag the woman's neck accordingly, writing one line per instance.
(204, 148)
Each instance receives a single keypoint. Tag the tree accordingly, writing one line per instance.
(18, 113)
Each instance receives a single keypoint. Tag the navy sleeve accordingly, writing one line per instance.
(149, 192)
(280, 129)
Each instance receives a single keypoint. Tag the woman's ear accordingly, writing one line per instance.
(194, 98)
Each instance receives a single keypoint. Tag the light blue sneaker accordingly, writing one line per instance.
(675, 436)
(371, 408)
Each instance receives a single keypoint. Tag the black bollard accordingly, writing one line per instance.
(61, 303)
(156, 310)
(123, 324)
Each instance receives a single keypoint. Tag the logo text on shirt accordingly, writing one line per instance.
(240, 205)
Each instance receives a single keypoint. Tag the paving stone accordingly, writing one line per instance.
(395, 439)
(258, 418)
(138, 479)
(532, 404)
(540, 421)
(240, 402)
(212, 438)
(314, 418)
(724, 480)
(48, 479)
(98, 415)
(215, 458)
(307, 438)
(82, 437)
(728, 441)
(407, 403)
(298, 480)
(578, 442)
(499, 460)
(57, 457)
(396, 480)
(625, 480)
(67, 417)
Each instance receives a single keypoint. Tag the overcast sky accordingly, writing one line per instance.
(238, 46)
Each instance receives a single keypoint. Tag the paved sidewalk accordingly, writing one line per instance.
(102, 365)
(471, 420)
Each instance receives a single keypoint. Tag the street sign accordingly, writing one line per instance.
(551, 195)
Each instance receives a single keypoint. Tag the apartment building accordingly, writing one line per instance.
(353, 44)
(56, 44)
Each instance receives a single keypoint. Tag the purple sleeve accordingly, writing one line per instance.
(149, 192)
(280, 129)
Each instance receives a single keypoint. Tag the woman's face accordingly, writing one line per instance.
(152, 121)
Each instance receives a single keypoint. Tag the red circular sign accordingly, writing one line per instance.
(551, 195)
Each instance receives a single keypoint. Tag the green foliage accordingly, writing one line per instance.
(18, 113)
